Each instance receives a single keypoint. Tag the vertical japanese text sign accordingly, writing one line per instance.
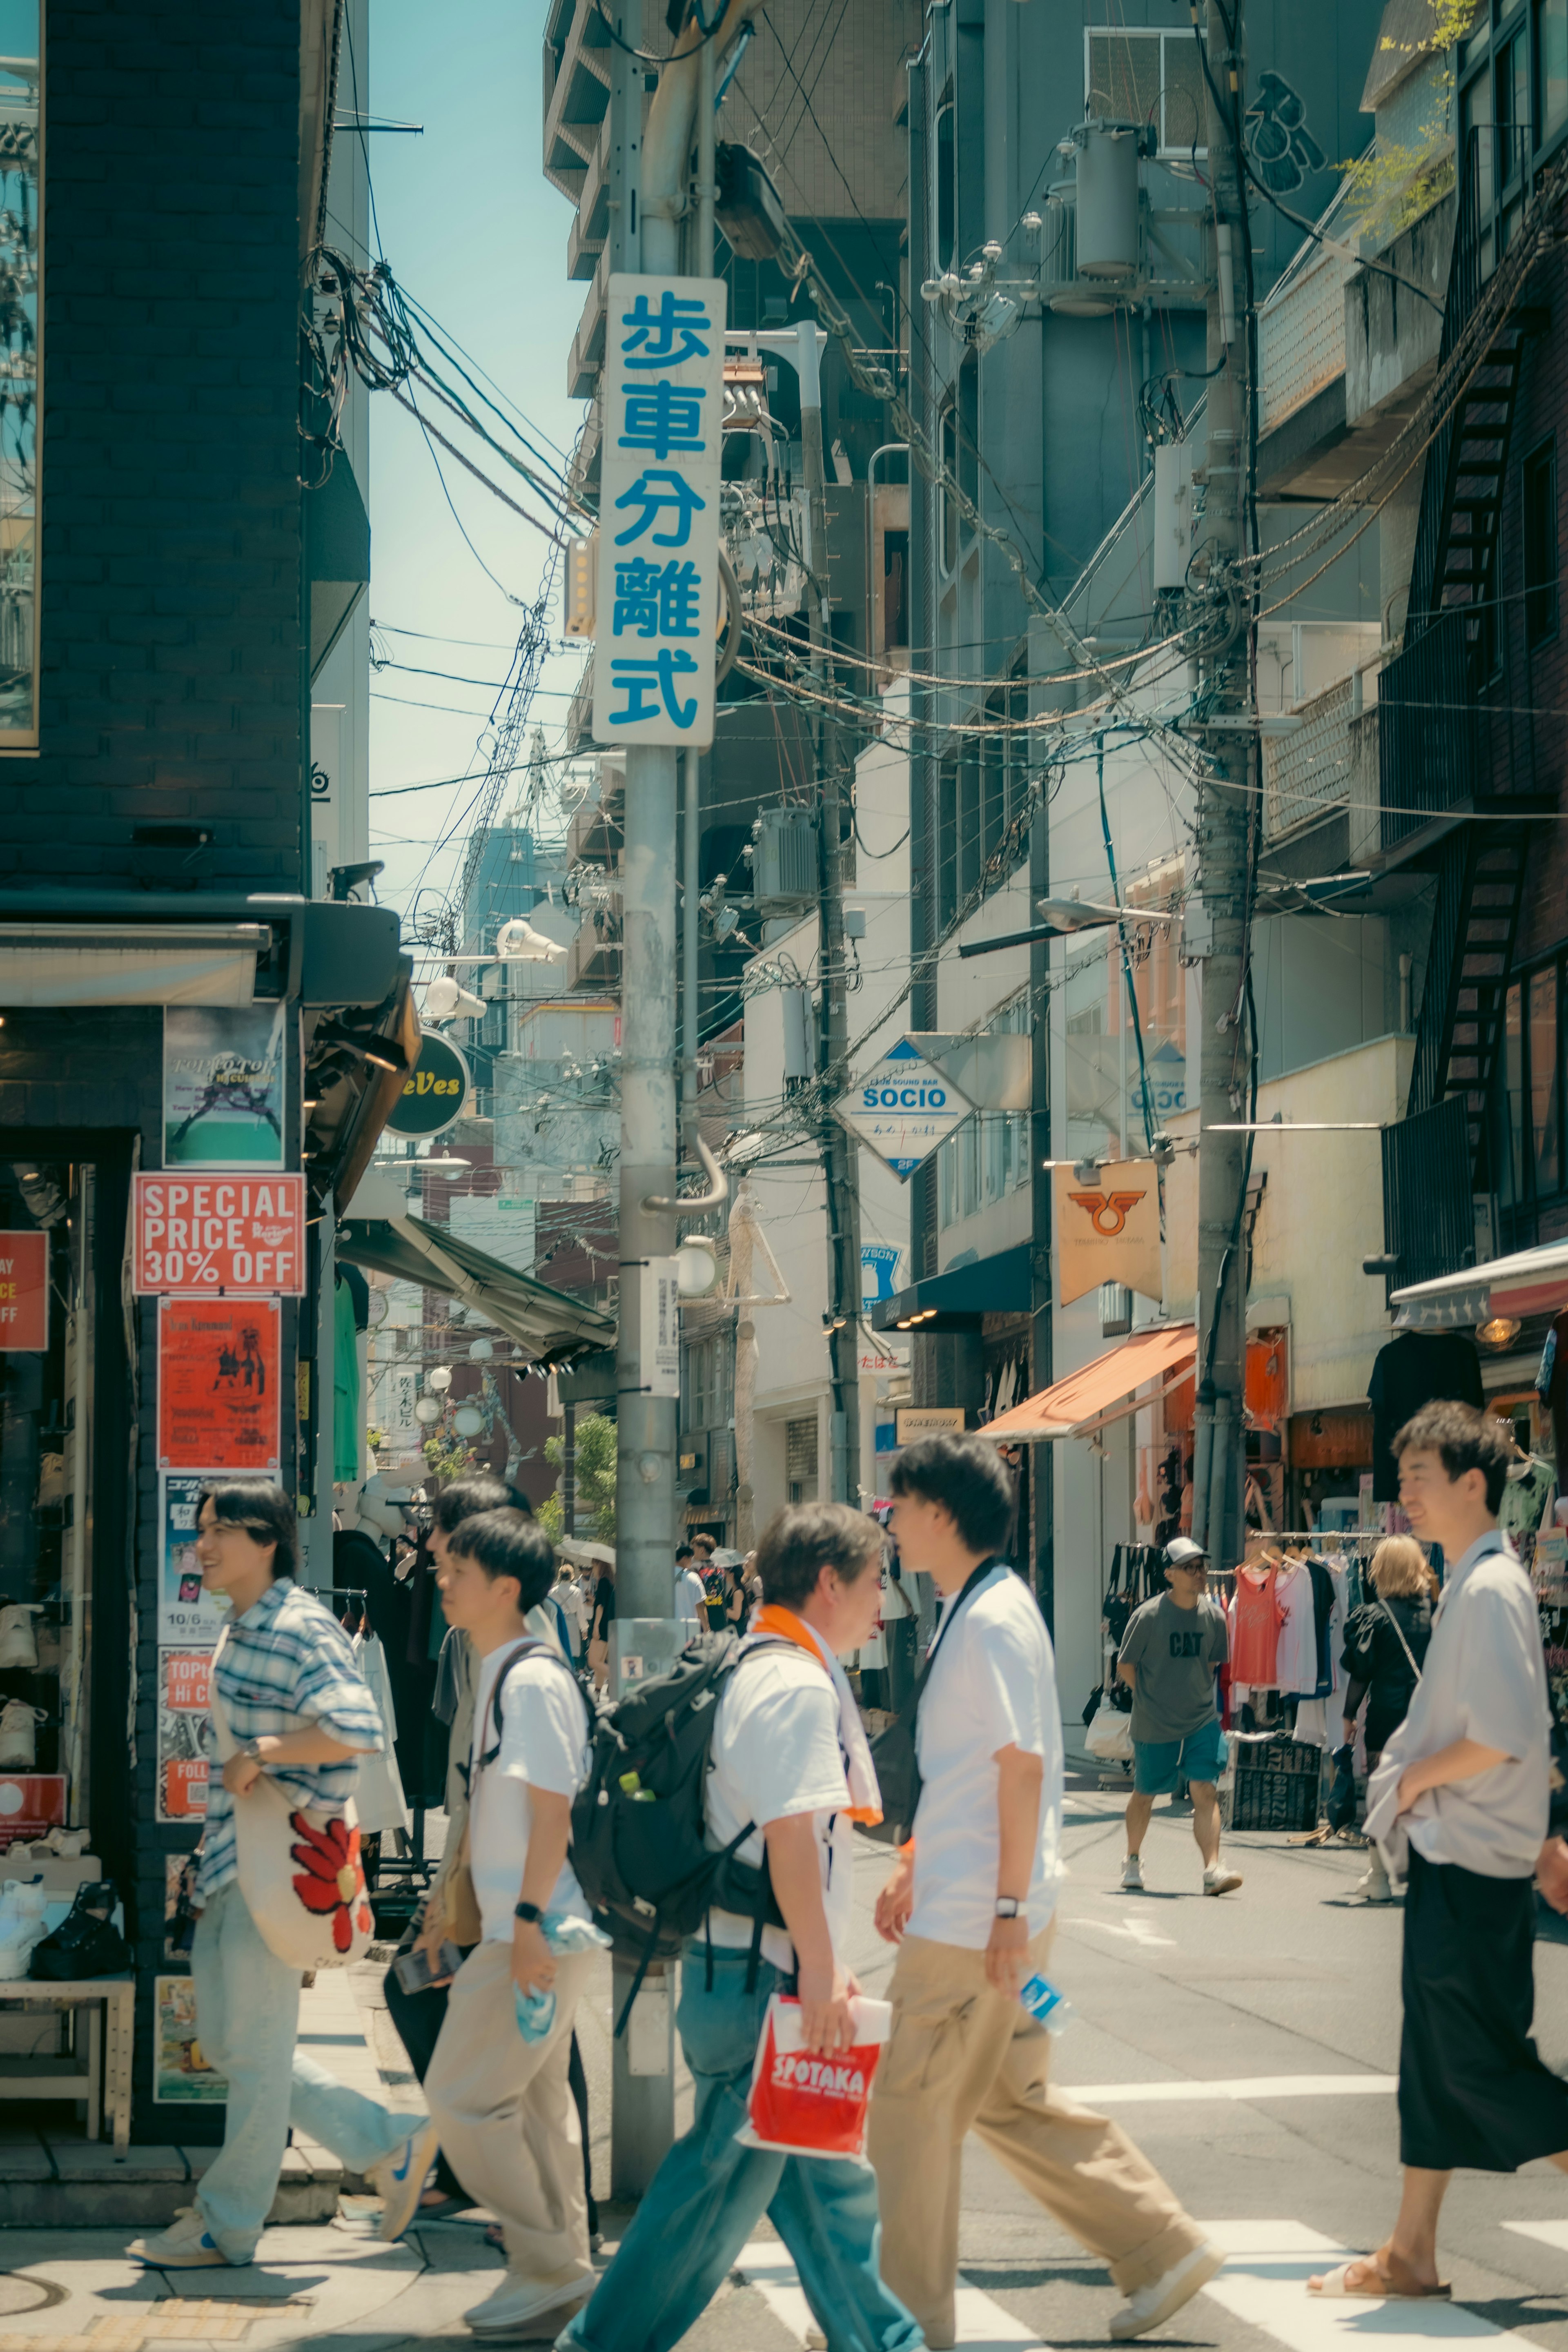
(659, 511)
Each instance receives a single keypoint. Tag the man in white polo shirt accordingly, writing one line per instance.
(1461, 1801)
(971, 1905)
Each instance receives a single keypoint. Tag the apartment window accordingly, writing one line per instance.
(1538, 514)
(944, 176)
(1550, 64)
(968, 466)
(1545, 1105)
(947, 431)
(21, 212)
(1147, 76)
(800, 1460)
(946, 842)
(988, 1157)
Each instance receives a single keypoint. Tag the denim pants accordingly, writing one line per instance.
(247, 2021)
(711, 2191)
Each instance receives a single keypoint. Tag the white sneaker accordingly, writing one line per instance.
(1132, 1875)
(1219, 1880)
(1162, 2297)
(21, 1927)
(19, 1642)
(399, 2179)
(522, 2310)
(185, 2245)
(19, 1735)
(1374, 1883)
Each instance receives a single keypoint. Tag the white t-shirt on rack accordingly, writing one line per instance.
(777, 1753)
(543, 1745)
(993, 1685)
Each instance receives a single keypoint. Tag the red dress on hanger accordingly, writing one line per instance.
(1257, 1615)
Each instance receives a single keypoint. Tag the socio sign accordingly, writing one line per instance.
(903, 1109)
(240, 1237)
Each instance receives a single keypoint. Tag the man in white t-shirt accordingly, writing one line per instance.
(789, 1756)
(506, 2120)
(690, 1595)
(971, 1905)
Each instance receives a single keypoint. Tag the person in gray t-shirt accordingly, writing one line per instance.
(1169, 1653)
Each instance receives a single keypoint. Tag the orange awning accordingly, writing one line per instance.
(1102, 1392)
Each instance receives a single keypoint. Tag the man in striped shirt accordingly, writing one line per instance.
(297, 1706)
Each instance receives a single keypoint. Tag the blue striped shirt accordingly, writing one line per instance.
(287, 1665)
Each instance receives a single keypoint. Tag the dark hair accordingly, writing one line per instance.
(804, 1539)
(480, 1491)
(1464, 1439)
(508, 1543)
(968, 1477)
(683, 1552)
(261, 1507)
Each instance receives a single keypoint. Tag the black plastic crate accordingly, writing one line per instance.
(1277, 1784)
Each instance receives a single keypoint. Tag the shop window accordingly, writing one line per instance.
(21, 207)
(1550, 67)
(1545, 1099)
(1538, 514)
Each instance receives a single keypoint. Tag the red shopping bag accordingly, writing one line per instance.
(803, 2104)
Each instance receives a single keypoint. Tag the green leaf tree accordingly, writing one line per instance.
(596, 1471)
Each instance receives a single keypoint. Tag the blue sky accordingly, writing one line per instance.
(471, 229)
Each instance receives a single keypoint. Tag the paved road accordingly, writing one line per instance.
(1286, 1987)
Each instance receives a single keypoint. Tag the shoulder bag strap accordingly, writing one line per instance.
(976, 1576)
(1399, 1632)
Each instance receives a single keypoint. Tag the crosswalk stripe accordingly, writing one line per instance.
(1244, 2086)
(1264, 2283)
(1551, 2233)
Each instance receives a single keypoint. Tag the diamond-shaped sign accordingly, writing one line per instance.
(903, 1109)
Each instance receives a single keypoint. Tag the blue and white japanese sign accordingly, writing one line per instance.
(903, 1109)
(659, 511)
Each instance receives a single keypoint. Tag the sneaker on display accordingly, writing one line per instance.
(23, 1928)
(19, 1642)
(19, 1735)
(1132, 1875)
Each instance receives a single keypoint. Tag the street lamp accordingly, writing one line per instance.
(439, 1379)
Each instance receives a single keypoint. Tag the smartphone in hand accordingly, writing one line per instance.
(417, 1972)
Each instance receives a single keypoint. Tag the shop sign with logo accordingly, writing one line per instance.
(218, 1367)
(435, 1091)
(24, 1293)
(879, 1266)
(903, 1109)
(913, 1422)
(222, 1085)
(222, 1234)
(1107, 1230)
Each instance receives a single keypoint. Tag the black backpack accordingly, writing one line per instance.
(638, 1846)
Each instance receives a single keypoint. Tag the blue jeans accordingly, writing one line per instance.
(710, 2192)
(247, 2021)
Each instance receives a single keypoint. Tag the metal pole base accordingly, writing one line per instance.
(642, 2081)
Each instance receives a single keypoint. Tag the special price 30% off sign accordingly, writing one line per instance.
(240, 1236)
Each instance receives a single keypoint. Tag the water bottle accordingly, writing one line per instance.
(1042, 1999)
(535, 2012)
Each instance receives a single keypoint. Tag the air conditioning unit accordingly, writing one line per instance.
(784, 856)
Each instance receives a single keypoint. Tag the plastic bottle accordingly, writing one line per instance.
(535, 2012)
(1042, 1999)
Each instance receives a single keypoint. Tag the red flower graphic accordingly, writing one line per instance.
(332, 1879)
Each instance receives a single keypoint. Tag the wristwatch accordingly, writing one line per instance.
(530, 1912)
(1007, 1906)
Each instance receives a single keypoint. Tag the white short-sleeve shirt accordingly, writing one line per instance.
(691, 1596)
(543, 1745)
(777, 1753)
(993, 1685)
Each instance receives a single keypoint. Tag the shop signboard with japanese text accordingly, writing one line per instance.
(222, 1085)
(218, 1367)
(184, 1734)
(657, 588)
(903, 1109)
(223, 1233)
(24, 1293)
(187, 1616)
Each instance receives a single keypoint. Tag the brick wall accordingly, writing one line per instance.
(171, 683)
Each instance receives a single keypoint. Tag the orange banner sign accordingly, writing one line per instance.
(24, 1292)
(1107, 1230)
(218, 1365)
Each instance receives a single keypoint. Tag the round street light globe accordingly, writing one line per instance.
(467, 1420)
(426, 1412)
(481, 1351)
(440, 1379)
(696, 1265)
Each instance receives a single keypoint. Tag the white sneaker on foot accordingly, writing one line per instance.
(399, 2179)
(1162, 2297)
(1132, 1875)
(522, 2310)
(185, 2245)
(1219, 1880)
(1374, 1883)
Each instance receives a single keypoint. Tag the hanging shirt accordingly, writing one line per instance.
(1256, 1619)
(1296, 1659)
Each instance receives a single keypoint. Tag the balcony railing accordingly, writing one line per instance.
(1428, 1212)
(1429, 740)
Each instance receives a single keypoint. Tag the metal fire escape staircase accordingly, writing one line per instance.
(1445, 755)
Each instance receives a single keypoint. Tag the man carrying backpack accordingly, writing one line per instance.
(507, 2119)
(791, 1770)
(971, 1906)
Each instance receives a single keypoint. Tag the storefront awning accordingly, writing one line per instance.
(1102, 1392)
(130, 963)
(987, 1285)
(553, 1327)
(1529, 1282)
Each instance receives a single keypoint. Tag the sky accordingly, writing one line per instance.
(472, 230)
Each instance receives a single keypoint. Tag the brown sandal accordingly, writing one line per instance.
(1399, 2282)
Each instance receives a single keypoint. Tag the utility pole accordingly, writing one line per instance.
(1223, 819)
(840, 1170)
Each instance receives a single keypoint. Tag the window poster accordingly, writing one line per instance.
(218, 1366)
(222, 1085)
(185, 1734)
(181, 2075)
(187, 1617)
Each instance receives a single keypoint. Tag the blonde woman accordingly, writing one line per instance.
(1385, 1644)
